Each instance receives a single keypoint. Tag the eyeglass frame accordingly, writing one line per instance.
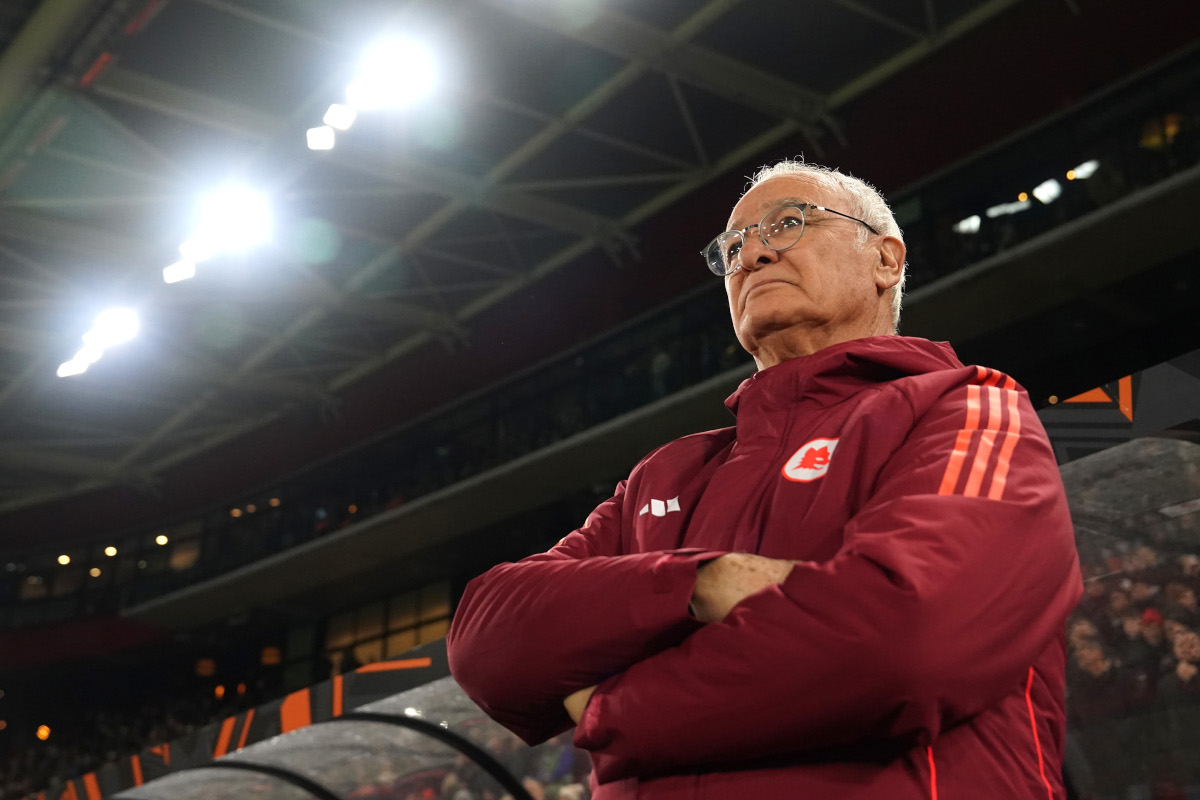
(801, 207)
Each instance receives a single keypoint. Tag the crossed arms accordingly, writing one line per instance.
(931, 612)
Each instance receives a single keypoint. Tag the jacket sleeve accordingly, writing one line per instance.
(954, 576)
(528, 634)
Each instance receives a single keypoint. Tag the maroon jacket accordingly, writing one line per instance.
(917, 651)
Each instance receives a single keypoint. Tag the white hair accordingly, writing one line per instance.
(866, 203)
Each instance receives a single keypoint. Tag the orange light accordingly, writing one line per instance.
(353, 509)
(43, 732)
(205, 667)
(110, 551)
(1070, 174)
(1053, 399)
(235, 513)
(219, 692)
(64, 560)
(241, 689)
(94, 572)
(271, 656)
(1023, 197)
(274, 501)
(3, 724)
(250, 509)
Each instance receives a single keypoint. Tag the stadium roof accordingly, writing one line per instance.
(572, 157)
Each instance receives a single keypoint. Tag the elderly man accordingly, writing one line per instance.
(864, 592)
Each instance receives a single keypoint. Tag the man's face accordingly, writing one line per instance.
(1187, 646)
(1082, 630)
(825, 287)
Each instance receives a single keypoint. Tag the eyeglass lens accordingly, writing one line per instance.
(780, 229)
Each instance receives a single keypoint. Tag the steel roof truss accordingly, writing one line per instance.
(885, 20)
(668, 52)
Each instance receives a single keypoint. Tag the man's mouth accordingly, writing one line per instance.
(763, 283)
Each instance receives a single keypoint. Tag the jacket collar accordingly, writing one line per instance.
(830, 375)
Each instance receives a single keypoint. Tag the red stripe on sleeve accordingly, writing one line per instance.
(987, 441)
(962, 443)
(1012, 434)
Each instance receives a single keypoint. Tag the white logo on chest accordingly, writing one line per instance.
(811, 461)
(659, 508)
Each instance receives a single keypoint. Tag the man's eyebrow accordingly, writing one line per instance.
(787, 201)
(770, 204)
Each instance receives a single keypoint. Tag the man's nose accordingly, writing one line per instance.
(754, 253)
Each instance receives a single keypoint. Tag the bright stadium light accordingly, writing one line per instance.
(322, 138)
(1048, 191)
(1086, 170)
(394, 73)
(179, 271)
(113, 326)
(88, 354)
(232, 219)
(340, 116)
(69, 368)
(968, 225)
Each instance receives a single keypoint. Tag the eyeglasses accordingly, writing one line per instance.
(778, 229)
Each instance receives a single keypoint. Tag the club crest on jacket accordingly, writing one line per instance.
(811, 461)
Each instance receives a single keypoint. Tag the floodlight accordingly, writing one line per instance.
(88, 354)
(1048, 191)
(1086, 170)
(321, 138)
(340, 116)
(968, 225)
(113, 326)
(179, 271)
(64, 559)
(69, 368)
(233, 218)
(394, 73)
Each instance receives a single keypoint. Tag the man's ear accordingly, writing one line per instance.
(891, 262)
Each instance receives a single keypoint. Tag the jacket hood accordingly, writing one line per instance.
(832, 374)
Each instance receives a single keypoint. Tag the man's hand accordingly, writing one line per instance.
(728, 580)
(576, 703)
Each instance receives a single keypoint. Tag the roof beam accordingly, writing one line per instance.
(34, 47)
(481, 192)
(420, 233)
(883, 19)
(104, 165)
(145, 91)
(918, 50)
(669, 52)
(87, 201)
(40, 229)
(13, 456)
(148, 92)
